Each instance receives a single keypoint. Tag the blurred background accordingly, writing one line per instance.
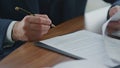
(96, 15)
(95, 4)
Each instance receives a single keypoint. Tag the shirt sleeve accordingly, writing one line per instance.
(9, 32)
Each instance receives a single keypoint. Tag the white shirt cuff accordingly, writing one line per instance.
(9, 31)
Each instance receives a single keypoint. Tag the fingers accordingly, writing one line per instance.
(113, 10)
(39, 24)
(36, 34)
(31, 28)
(37, 20)
(41, 15)
(114, 25)
(38, 27)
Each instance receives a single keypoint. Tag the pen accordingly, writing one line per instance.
(21, 9)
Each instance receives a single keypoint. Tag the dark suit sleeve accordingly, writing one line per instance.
(110, 1)
(4, 23)
(113, 2)
(63, 10)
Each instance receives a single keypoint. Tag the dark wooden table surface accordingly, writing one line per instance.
(31, 56)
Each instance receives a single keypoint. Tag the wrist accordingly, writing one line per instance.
(15, 31)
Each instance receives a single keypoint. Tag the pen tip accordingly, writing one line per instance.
(52, 25)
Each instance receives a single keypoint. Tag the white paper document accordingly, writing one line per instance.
(84, 44)
(80, 64)
(88, 45)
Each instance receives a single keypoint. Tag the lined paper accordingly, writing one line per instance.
(83, 44)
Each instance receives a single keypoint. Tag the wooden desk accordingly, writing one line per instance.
(31, 56)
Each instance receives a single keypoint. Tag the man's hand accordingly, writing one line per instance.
(31, 28)
(113, 26)
(114, 10)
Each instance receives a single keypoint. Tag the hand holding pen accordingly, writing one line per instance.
(23, 10)
(31, 28)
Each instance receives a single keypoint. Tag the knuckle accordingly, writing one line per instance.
(50, 21)
(26, 18)
(40, 20)
(45, 15)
